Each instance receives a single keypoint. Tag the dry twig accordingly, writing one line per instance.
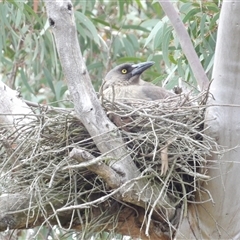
(45, 169)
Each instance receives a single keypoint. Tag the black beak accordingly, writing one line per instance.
(141, 67)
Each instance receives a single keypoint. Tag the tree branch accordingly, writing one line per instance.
(95, 165)
(128, 220)
(220, 217)
(186, 44)
(12, 107)
(88, 108)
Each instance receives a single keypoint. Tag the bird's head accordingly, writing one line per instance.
(126, 74)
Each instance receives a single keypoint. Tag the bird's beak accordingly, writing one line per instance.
(141, 67)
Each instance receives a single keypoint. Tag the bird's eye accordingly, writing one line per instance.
(124, 70)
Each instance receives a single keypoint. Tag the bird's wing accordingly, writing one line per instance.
(143, 92)
(119, 92)
(155, 92)
(144, 83)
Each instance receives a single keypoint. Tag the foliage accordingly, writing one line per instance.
(110, 32)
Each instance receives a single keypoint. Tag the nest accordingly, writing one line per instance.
(39, 152)
(172, 128)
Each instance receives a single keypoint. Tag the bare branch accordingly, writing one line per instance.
(11, 104)
(96, 165)
(104, 133)
(87, 106)
(128, 219)
(186, 44)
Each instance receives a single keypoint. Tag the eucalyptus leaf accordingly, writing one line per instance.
(25, 81)
(153, 33)
(88, 24)
(49, 79)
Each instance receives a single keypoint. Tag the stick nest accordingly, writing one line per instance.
(33, 156)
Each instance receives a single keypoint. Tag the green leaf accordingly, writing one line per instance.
(1, 47)
(212, 7)
(117, 46)
(158, 59)
(171, 84)
(28, 11)
(139, 4)
(185, 7)
(158, 79)
(202, 25)
(135, 27)
(89, 25)
(18, 18)
(158, 38)
(25, 81)
(180, 68)
(210, 63)
(165, 46)
(58, 90)
(95, 65)
(130, 60)
(171, 58)
(81, 30)
(157, 9)
(133, 39)
(150, 57)
(149, 23)
(49, 79)
(83, 6)
(128, 47)
(187, 74)
(153, 33)
(98, 20)
(121, 8)
(190, 14)
(3, 13)
(36, 50)
(214, 19)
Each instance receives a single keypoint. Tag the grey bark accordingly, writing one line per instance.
(220, 217)
(12, 107)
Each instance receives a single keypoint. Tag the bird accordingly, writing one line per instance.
(124, 83)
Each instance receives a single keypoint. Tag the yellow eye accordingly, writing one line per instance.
(124, 70)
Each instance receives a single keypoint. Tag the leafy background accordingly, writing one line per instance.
(110, 33)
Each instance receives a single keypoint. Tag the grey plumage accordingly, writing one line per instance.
(124, 82)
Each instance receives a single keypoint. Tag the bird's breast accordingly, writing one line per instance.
(121, 93)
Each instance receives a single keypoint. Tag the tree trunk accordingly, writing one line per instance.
(219, 218)
(121, 174)
(90, 112)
